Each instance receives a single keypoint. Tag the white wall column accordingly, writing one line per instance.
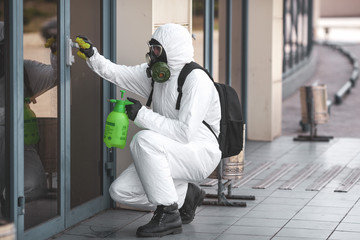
(265, 69)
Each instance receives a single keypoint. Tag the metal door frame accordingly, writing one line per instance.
(15, 119)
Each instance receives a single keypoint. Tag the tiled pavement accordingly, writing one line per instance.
(275, 214)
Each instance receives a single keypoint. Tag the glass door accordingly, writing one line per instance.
(55, 169)
(41, 125)
(4, 135)
(87, 177)
(86, 110)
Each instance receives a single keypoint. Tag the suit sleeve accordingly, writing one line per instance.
(132, 78)
(42, 77)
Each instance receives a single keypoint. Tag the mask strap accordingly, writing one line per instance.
(148, 103)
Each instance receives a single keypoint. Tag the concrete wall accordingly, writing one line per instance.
(136, 21)
(343, 8)
(265, 69)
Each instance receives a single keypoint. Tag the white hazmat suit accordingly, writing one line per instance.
(175, 147)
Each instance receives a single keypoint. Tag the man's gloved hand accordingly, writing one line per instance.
(86, 48)
(133, 109)
(51, 43)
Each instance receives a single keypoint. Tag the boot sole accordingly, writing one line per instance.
(201, 199)
(160, 234)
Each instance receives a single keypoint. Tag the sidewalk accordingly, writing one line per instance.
(333, 70)
(304, 212)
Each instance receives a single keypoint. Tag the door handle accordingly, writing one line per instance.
(70, 59)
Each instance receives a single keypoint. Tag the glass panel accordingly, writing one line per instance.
(198, 30)
(4, 165)
(41, 171)
(86, 110)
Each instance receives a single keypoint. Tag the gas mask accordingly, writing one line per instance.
(157, 62)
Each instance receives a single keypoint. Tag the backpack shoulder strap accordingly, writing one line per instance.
(148, 103)
(182, 77)
(181, 80)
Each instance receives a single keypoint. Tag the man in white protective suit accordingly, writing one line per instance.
(38, 78)
(174, 148)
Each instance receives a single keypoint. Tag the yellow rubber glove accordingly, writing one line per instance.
(51, 43)
(86, 49)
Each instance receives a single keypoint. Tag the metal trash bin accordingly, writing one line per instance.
(314, 111)
(232, 167)
(229, 169)
(320, 108)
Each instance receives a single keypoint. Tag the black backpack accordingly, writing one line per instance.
(231, 123)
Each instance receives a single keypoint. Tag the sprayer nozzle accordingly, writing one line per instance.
(122, 93)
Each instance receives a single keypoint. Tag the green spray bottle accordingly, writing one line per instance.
(31, 129)
(117, 124)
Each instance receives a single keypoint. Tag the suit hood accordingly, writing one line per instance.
(177, 43)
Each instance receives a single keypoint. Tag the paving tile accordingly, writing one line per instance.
(253, 230)
(337, 196)
(113, 220)
(294, 194)
(354, 212)
(91, 231)
(118, 213)
(319, 217)
(331, 203)
(205, 228)
(276, 215)
(74, 237)
(325, 210)
(287, 201)
(341, 235)
(295, 238)
(349, 227)
(223, 211)
(128, 232)
(352, 219)
(306, 224)
(189, 236)
(214, 220)
(277, 207)
(241, 236)
(304, 233)
(266, 222)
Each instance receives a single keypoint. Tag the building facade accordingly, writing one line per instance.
(240, 42)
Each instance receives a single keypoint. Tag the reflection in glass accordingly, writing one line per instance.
(4, 165)
(40, 112)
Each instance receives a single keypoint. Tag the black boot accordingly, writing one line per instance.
(194, 197)
(166, 220)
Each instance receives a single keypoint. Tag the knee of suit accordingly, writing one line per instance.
(146, 140)
(118, 195)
